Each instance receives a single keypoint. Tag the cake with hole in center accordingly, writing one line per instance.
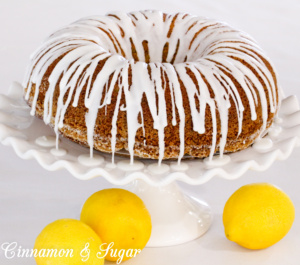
(157, 85)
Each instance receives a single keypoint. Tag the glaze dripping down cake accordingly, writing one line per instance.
(158, 85)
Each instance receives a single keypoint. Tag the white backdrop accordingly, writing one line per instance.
(31, 197)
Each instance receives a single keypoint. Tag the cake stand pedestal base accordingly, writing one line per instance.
(176, 217)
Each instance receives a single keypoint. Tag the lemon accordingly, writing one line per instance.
(119, 217)
(257, 216)
(64, 242)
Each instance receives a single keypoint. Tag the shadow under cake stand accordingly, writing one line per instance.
(176, 217)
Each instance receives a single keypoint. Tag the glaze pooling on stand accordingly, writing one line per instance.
(132, 46)
(46, 141)
(218, 160)
(86, 160)
(129, 166)
(263, 143)
(158, 169)
(58, 152)
(179, 167)
(274, 131)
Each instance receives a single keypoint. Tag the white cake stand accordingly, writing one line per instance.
(176, 217)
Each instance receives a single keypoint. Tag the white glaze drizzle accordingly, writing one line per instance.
(208, 48)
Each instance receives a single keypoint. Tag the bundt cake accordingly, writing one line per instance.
(158, 85)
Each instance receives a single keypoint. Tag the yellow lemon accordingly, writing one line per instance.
(257, 216)
(121, 220)
(67, 242)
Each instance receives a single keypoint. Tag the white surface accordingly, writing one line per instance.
(31, 197)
